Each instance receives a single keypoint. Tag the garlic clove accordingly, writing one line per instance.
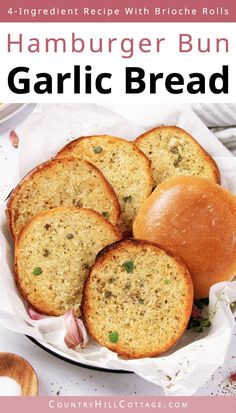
(14, 139)
(76, 337)
(35, 315)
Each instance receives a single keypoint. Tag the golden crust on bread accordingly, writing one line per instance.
(196, 219)
(137, 299)
(53, 254)
(174, 152)
(58, 183)
(124, 166)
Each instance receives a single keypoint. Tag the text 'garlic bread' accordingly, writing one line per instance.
(59, 183)
(173, 152)
(53, 254)
(137, 299)
(124, 166)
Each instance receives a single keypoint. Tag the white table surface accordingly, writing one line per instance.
(57, 377)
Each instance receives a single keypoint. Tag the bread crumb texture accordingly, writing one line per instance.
(123, 164)
(137, 299)
(54, 253)
(58, 183)
(173, 152)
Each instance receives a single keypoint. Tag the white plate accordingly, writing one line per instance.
(73, 360)
(7, 110)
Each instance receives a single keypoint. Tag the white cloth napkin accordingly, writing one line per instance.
(221, 118)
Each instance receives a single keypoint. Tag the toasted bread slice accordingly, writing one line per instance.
(53, 254)
(137, 299)
(173, 152)
(123, 164)
(61, 182)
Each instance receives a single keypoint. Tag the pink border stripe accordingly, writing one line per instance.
(118, 404)
(57, 11)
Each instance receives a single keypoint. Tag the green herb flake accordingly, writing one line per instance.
(111, 280)
(70, 236)
(127, 199)
(177, 161)
(108, 294)
(166, 281)
(97, 149)
(106, 214)
(46, 253)
(174, 149)
(113, 336)
(128, 266)
(37, 271)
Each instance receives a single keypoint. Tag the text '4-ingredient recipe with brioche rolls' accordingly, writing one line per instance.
(125, 234)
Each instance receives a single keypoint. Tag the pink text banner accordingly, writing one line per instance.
(118, 11)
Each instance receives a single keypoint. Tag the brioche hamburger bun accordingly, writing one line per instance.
(137, 299)
(196, 219)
